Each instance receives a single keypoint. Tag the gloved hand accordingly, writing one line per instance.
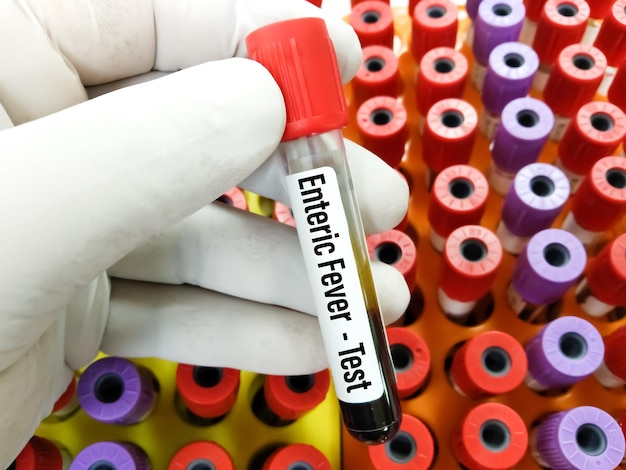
(109, 240)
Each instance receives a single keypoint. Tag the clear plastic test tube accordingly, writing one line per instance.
(300, 56)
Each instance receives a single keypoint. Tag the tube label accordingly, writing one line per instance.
(331, 267)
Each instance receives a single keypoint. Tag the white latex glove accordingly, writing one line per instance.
(123, 184)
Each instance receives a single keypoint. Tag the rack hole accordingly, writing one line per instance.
(461, 188)
(583, 61)
(616, 177)
(541, 186)
(388, 253)
(514, 60)
(573, 346)
(527, 118)
(370, 17)
(381, 117)
(494, 435)
(374, 64)
(473, 250)
(401, 448)
(436, 11)
(452, 119)
(501, 9)
(401, 356)
(496, 361)
(444, 65)
(591, 439)
(602, 122)
(109, 388)
(207, 377)
(567, 9)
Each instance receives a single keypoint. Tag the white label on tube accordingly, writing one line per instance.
(334, 278)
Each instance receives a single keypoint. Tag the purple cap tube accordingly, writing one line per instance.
(471, 7)
(498, 21)
(548, 266)
(537, 196)
(115, 391)
(512, 66)
(583, 437)
(111, 455)
(566, 350)
(525, 125)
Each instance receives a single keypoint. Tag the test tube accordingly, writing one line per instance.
(329, 227)
(488, 364)
(572, 82)
(413, 447)
(434, 23)
(396, 249)
(111, 455)
(113, 390)
(205, 394)
(498, 21)
(372, 21)
(382, 126)
(491, 436)
(612, 370)
(611, 40)
(549, 264)
(458, 197)
(604, 286)
(294, 456)
(564, 352)
(529, 26)
(595, 132)
(234, 197)
(536, 198)
(411, 360)
(472, 255)
(521, 136)
(600, 202)
(509, 76)
(66, 405)
(582, 437)
(41, 454)
(378, 75)
(201, 455)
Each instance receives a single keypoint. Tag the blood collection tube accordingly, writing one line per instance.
(411, 360)
(471, 8)
(202, 455)
(449, 135)
(434, 24)
(488, 364)
(600, 201)
(205, 394)
(41, 454)
(611, 40)
(562, 22)
(536, 198)
(378, 75)
(598, 11)
(617, 91)
(66, 405)
(498, 21)
(573, 81)
(595, 132)
(234, 197)
(372, 21)
(111, 455)
(113, 390)
(529, 26)
(458, 198)
(564, 352)
(294, 456)
(413, 447)
(328, 223)
(283, 214)
(549, 264)
(472, 255)
(382, 126)
(612, 372)
(581, 437)
(442, 74)
(604, 286)
(492, 436)
(524, 127)
(396, 249)
(512, 66)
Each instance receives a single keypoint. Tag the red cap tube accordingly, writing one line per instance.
(289, 397)
(39, 454)
(615, 352)
(492, 436)
(488, 364)
(458, 197)
(200, 453)
(562, 22)
(611, 39)
(413, 447)
(606, 275)
(574, 79)
(317, 105)
(283, 214)
(599, 9)
(617, 91)
(208, 392)
(600, 202)
(411, 360)
(295, 455)
(378, 75)
(234, 197)
(382, 126)
(449, 134)
(534, 9)
(595, 132)
(372, 21)
(396, 249)
(434, 24)
(472, 256)
(442, 74)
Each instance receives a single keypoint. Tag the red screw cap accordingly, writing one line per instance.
(615, 352)
(606, 276)
(434, 24)
(39, 454)
(442, 74)
(378, 75)
(207, 400)
(611, 38)
(289, 399)
(201, 452)
(396, 249)
(411, 360)
(297, 454)
(372, 21)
